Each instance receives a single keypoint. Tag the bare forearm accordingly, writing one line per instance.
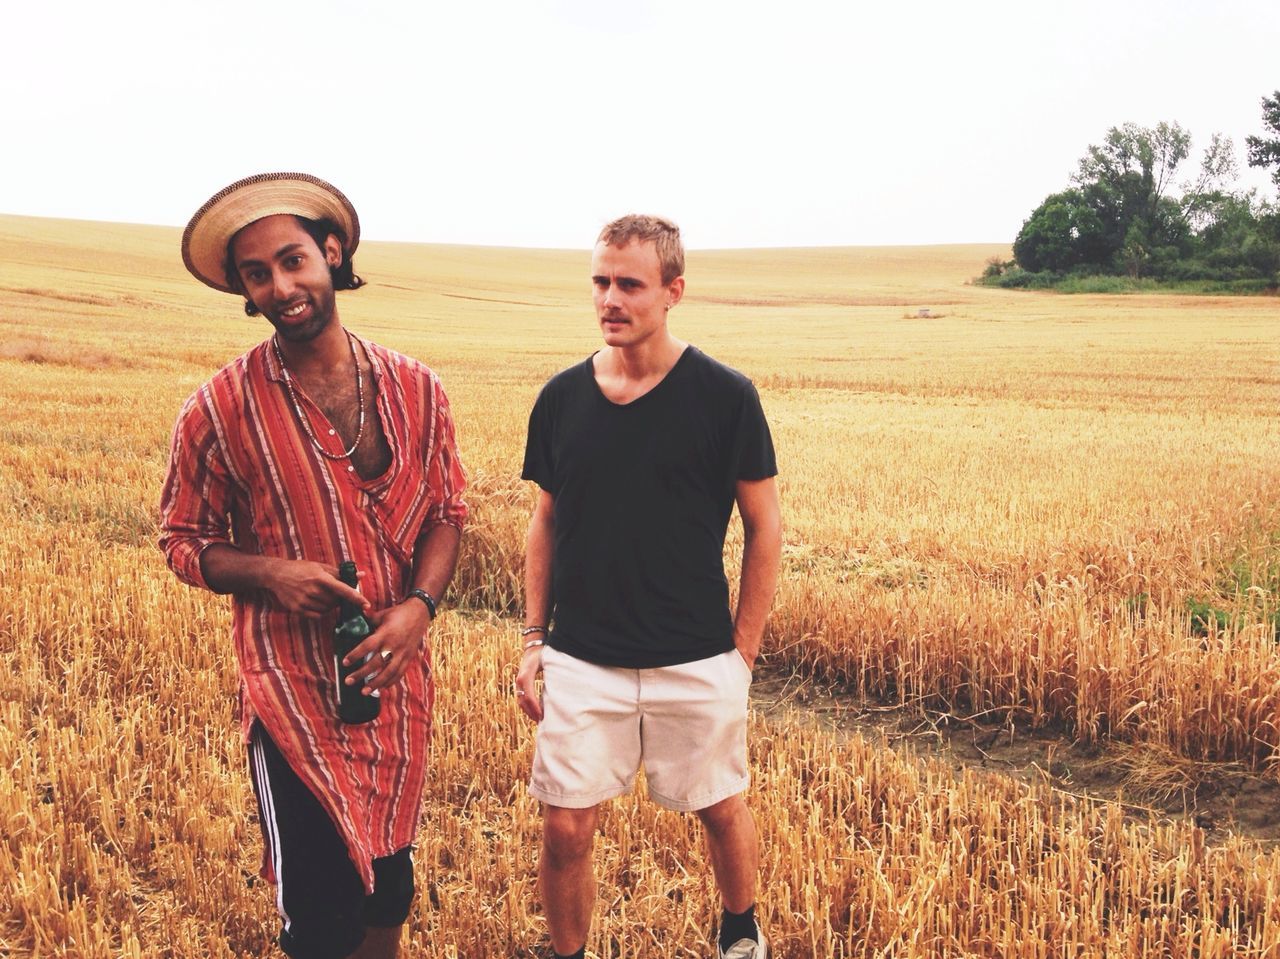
(761, 559)
(435, 558)
(228, 570)
(538, 547)
(401, 631)
(298, 585)
(537, 572)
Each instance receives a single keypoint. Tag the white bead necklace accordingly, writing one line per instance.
(302, 417)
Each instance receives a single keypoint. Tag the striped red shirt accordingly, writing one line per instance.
(243, 471)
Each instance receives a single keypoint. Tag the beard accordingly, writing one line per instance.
(322, 312)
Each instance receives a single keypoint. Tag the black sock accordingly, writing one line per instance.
(580, 954)
(738, 925)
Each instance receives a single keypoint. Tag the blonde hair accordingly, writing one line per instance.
(663, 234)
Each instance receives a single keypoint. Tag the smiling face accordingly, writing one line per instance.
(630, 298)
(286, 275)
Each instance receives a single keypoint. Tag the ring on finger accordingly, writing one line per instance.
(385, 654)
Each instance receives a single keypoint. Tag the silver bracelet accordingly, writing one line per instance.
(534, 644)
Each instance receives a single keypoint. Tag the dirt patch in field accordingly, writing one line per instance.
(1220, 798)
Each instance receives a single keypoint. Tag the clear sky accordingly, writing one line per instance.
(781, 123)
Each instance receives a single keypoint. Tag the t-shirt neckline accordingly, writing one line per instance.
(589, 366)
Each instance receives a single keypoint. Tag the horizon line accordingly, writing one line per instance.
(366, 239)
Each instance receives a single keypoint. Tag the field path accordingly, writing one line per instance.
(1220, 798)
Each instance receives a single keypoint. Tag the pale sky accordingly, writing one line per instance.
(789, 123)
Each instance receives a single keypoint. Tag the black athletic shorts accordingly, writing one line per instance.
(322, 903)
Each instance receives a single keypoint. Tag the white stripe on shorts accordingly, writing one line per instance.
(268, 811)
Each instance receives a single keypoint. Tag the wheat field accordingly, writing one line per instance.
(1009, 507)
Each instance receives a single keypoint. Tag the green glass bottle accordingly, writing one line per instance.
(353, 705)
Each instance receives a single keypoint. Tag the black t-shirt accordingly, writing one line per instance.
(643, 494)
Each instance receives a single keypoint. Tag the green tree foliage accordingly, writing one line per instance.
(1062, 233)
(1135, 165)
(1265, 151)
(1218, 170)
(1238, 239)
(1127, 215)
(1119, 217)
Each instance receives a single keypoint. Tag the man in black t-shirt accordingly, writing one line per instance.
(640, 453)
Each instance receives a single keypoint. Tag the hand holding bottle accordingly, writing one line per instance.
(355, 704)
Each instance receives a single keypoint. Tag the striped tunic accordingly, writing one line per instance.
(242, 471)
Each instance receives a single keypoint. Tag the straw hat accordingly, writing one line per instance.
(204, 244)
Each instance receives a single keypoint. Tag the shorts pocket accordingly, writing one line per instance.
(549, 662)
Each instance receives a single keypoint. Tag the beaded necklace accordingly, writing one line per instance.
(302, 417)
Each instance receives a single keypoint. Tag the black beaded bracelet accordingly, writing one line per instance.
(427, 598)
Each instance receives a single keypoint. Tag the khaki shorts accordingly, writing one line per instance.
(686, 724)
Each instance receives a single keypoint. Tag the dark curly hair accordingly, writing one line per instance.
(344, 274)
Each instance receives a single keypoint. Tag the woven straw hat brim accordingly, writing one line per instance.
(230, 210)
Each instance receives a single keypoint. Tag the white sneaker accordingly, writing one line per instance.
(745, 949)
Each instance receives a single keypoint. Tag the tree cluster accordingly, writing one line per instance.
(1127, 215)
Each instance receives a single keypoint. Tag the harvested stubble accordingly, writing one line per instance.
(128, 828)
(1003, 510)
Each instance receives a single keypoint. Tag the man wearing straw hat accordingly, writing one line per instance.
(640, 453)
(314, 448)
